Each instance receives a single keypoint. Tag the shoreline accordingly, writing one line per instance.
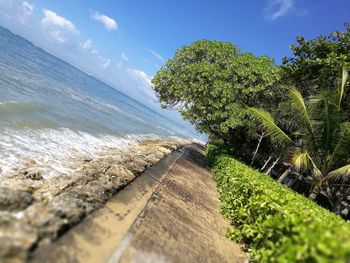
(58, 151)
(36, 211)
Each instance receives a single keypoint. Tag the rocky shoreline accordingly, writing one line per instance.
(35, 210)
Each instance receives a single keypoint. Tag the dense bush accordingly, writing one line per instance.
(276, 224)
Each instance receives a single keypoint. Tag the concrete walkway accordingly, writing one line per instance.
(168, 214)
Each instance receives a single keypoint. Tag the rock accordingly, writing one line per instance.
(61, 202)
(119, 171)
(31, 162)
(136, 166)
(344, 212)
(16, 238)
(12, 199)
(87, 159)
(33, 174)
(159, 154)
(344, 203)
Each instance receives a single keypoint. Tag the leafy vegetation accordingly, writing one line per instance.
(315, 64)
(321, 145)
(209, 81)
(303, 105)
(276, 224)
(290, 119)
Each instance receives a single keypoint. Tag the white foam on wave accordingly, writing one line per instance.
(8, 102)
(56, 151)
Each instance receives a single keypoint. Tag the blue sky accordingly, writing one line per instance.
(125, 42)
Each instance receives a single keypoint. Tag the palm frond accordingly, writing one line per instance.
(299, 104)
(326, 130)
(300, 160)
(270, 125)
(341, 89)
(342, 148)
(316, 172)
(342, 173)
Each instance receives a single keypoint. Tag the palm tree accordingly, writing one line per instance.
(321, 147)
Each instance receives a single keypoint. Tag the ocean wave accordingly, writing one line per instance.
(57, 151)
(101, 106)
(16, 107)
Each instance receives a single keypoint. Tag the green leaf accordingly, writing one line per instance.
(341, 90)
(275, 223)
(270, 125)
(342, 147)
(299, 104)
(301, 160)
(342, 173)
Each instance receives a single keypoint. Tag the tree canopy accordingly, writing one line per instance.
(209, 81)
(316, 63)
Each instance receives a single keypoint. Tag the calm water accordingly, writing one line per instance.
(53, 113)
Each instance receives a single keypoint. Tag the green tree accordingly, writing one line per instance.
(315, 64)
(209, 80)
(321, 147)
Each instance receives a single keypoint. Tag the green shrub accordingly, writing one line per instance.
(275, 223)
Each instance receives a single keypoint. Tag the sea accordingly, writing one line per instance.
(53, 114)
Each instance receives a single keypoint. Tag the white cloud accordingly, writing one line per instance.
(16, 10)
(58, 27)
(142, 83)
(87, 45)
(51, 18)
(109, 23)
(105, 63)
(279, 8)
(27, 8)
(140, 76)
(124, 56)
(156, 55)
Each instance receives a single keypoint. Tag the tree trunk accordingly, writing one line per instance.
(284, 175)
(266, 163)
(257, 147)
(272, 166)
(313, 194)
